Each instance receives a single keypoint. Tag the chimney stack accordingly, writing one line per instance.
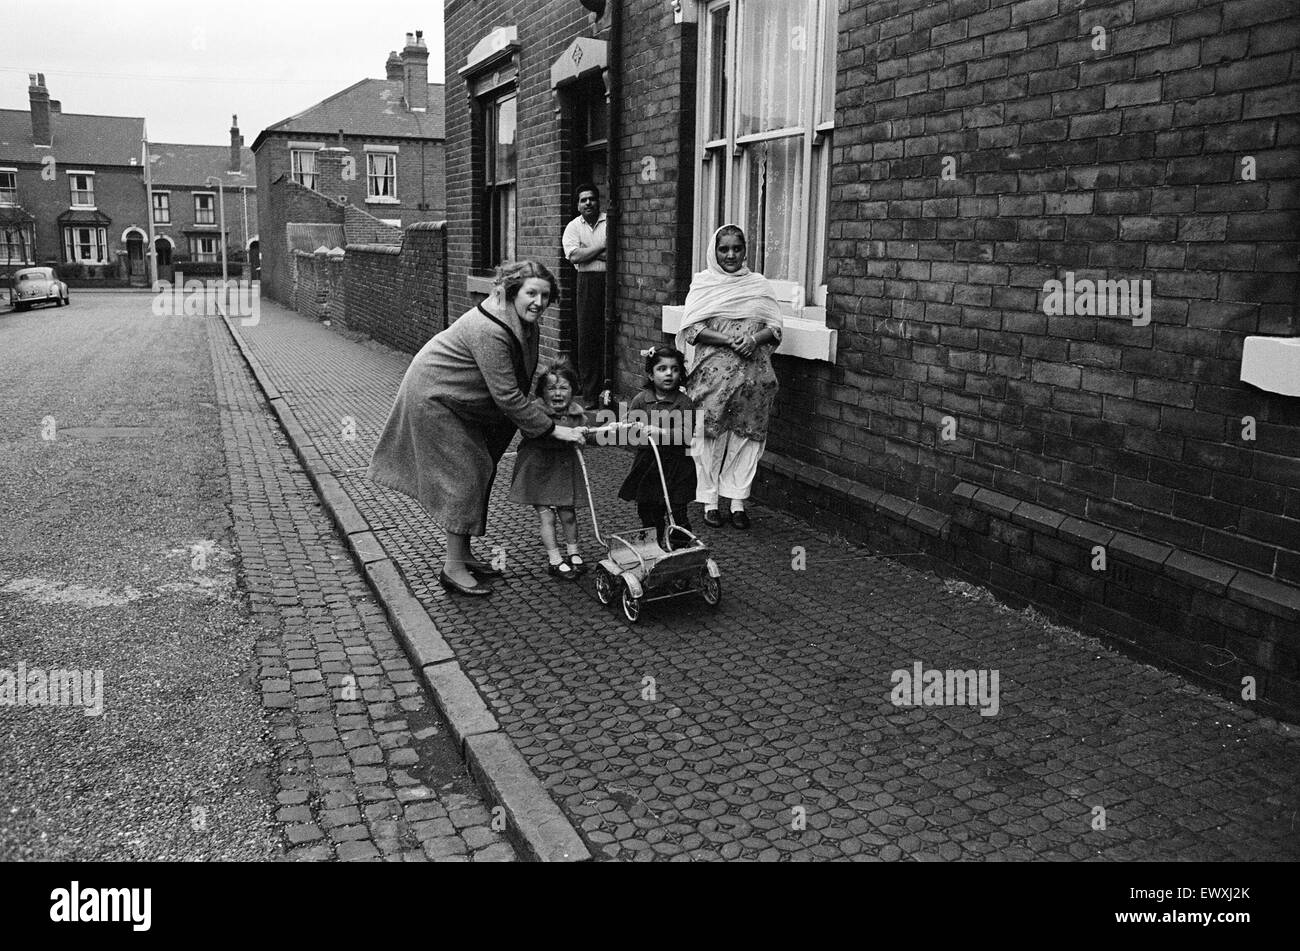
(39, 97)
(393, 68)
(236, 145)
(415, 72)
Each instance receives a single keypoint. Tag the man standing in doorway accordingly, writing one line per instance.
(584, 245)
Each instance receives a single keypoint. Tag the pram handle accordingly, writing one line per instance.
(659, 463)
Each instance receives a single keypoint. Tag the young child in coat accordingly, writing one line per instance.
(665, 369)
(546, 472)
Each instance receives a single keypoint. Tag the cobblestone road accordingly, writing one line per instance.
(765, 730)
(363, 769)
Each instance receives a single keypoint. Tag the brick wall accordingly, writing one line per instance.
(363, 228)
(318, 293)
(285, 201)
(397, 294)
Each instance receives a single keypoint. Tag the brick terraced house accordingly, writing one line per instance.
(71, 190)
(186, 198)
(393, 167)
(1030, 251)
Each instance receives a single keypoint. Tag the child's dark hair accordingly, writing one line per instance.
(655, 354)
(562, 369)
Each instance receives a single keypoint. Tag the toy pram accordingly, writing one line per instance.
(637, 568)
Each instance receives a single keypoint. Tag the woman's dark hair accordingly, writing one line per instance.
(730, 229)
(512, 275)
(660, 353)
(562, 369)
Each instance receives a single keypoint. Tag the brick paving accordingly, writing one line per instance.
(765, 730)
(363, 769)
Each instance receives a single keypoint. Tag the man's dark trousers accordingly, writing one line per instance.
(591, 334)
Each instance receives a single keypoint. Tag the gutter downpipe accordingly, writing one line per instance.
(611, 213)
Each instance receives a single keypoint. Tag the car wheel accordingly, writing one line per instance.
(20, 307)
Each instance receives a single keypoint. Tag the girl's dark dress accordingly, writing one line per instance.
(642, 484)
(546, 469)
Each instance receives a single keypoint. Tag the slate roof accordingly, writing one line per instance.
(309, 236)
(78, 139)
(370, 107)
(191, 164)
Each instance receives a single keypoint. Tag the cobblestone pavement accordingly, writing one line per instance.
(363, 769)
(765, 730)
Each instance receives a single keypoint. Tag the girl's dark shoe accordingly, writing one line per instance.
(713, 518)
(740, 520)
(562, 570)
(477, 591)
(483, 568)
(579, 566)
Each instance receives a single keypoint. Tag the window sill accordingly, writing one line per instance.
(479, 285)
(807, 338)
(1272, 364)
(383, 201)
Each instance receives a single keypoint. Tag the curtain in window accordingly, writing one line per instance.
(383, 168)
(777, 37)
(775, 205)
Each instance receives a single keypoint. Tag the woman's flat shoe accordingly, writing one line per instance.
(740, 519)
(579, 567)
(483, 568)
(713, 518)
(562, 570)
(477, 591)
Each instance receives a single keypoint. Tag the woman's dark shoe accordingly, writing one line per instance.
(483, 568)
(477, 591)
(713, 518)
(579, 566)
(562, 570)
(740, 519)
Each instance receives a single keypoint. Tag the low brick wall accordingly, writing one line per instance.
(317, 290)
(398, 295)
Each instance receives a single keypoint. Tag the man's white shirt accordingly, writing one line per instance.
(579, 234)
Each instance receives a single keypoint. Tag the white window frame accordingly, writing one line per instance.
(9, 193)
(72, 245)
(200, 256)
(371, 196)
(721, 174)
(166, 208)
(212, 209)
(73, 175)
(295, 166)
(27, 243)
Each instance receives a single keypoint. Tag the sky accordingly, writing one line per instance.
(186, 68)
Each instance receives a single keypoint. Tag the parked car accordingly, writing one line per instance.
(37, 285)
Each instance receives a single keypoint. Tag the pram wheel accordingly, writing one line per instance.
(631, 606)
(710, 588)
(604, 586)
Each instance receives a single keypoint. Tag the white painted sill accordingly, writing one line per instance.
(383, 201)
(1272, 364)
(807, 337)
(479, 285)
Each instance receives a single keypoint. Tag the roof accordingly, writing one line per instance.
(370, 107)
(78, 139)
(308, 236)
(191, 164)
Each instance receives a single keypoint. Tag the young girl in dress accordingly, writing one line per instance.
(546, 471)
(665, 368)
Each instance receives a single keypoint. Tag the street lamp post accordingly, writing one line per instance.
(221, 201)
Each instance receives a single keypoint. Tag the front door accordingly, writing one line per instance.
(135, 258)
(163, 249)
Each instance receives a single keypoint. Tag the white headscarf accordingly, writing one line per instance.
(743, 295)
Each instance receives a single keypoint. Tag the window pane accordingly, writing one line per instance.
(505, 144)
(718, 74)
(777, 35)
(775, 172)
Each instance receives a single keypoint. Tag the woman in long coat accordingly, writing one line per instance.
(461, 401)
(732, 319)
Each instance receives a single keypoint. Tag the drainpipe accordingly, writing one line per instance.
(151, 254)
(612, 232)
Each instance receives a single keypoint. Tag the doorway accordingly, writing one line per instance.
(135, 259)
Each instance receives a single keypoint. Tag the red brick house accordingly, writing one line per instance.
(392, 129)
(71, 190)
(186, 201)
(922, 179)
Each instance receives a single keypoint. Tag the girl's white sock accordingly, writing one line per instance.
(737, 505)
(553, 556)
(572, 548)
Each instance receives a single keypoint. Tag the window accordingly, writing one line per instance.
(85, 245)
(766, 115)
(162, 208)
(381, 176)
(204, 250)
(205, 208)
(8, 186)
(17, 244)
(497, 210)
(83, 189)
(303, 164)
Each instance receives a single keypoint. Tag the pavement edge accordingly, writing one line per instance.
(533, 821)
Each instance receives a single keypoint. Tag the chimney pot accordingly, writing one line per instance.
(415, 73)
